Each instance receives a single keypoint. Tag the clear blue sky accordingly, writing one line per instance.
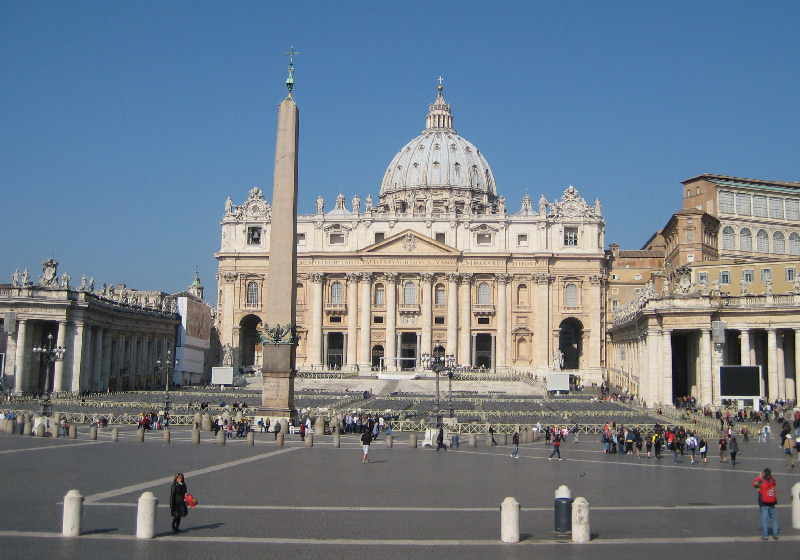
(124, 126)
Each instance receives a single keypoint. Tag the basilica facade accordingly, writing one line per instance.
(437, 258)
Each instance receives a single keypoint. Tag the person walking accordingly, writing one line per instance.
(767, 500)
(177, 501)
(515, 445)
(703, 448)
(733, 449)
(491, 434)
(723, 448)
(691, 443)
(788, 447)
(556, 446)
(366, 439)
(440, 440)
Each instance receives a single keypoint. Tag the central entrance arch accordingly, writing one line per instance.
(570, 342)
(408, 351)
(483, 351)
(248, 338)
(335, 356)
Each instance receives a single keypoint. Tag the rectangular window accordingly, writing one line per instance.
(379, 236)
(637, 276)
(377, 319)
(702, 277)
(614, 304)
(776, 207)
(615, 276)
(690, 257)
(570, 237)
(743, 204)
(380, 296)
(483, 239)
(522, 240)
(766, 274)
(438, 320)
(725, 277)
(760, 206)
(637, 291)
(483, 320)
(254, 236)
(301, 238)
(336, 239)
(748, 275)
(791, 272)
(336, 319)
(726, 202)
(441, 237)
(792, 209)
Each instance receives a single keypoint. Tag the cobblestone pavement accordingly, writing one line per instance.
(298, 502)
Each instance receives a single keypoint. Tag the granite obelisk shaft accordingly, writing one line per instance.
(277, 397)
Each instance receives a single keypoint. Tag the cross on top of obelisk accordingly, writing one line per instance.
(290, 79)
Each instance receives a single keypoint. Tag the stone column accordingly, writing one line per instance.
(501, 345)
(704, 375)
(105, 368)
(22, 359)
(543, 320)
(781, 365)
(797, 364)
(58, 369)
(473, 358)
(452, 314)
(772, 364)
(352, 319)
(391, 320)
(77, 357)
(97, 360)
(493, 365)
(745, 350)
(651, 370)
(324, 351)
(365, 358)
(315, 332)
(666, 353)
(465, 320)
(426, 338)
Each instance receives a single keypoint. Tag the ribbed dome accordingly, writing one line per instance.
(439, 164)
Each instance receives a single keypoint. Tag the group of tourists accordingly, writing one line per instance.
(153, 420)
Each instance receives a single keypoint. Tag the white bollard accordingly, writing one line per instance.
(580, 521)
(221, 437)
(166, 436)
(251, 438)
(337, 439)
(115, 434)
(796, 506)
(509, 521)
(73, 512)
(93, 433)
(309, 440)
(146, 516)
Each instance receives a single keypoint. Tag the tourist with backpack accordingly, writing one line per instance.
(767, 500)
(557, 437)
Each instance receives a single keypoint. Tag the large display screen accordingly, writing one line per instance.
(739, 381)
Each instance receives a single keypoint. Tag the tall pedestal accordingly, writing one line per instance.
(277, 392)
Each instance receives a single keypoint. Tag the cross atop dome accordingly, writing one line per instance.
(439, 115)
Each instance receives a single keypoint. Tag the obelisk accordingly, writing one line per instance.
(278, 336)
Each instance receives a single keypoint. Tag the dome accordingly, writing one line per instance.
(441, 165)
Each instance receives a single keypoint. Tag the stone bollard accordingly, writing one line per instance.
(146, 516)
(319, 426)
(389, 440)
(73, 431)
(166, 435)
(4, 425)
(251, 438)
(115, 434)
(509, 521)
(796, 506)
(309, 440)
(563, 510)
(412, 441)
(73, 514)
(205, 423)
(27, 428)
(279, 439)
(580, 521)
(40, 430)
(221, 438)
(93, 433)
(473, 440)
(536, 435)
(196, 436)
(337, 439)
(197, 421)
(284, 426)
(140, 435)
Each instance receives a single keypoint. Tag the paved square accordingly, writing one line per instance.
(322, 502)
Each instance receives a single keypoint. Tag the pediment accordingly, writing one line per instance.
(410, 242)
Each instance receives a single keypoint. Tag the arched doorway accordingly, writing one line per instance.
(248, 338)
(483, 351)
(408, 351)
(570, 342)
(335, 357)
(377, 354)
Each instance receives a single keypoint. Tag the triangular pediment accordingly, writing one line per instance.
(409, 242)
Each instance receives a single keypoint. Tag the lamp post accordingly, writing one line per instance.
(48, 354)
(437, 361)
(167, 367)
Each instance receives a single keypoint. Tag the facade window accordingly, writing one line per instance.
(728, 238)
(522, 240)
(725, 277)
(637, 291)
(522, 295)
(337, 293)
(776, 207)
(760, 206)
(791, 272)
(726, 202)
(254, 236)
(745, 240)
(792, 209)
(379, 236)
(702, 277)
(301, 238)
(637, 276)
(690, 257)
(336, 319)
(483, 293)
(377, 319)
(483, 239)
(439, 295)
(252, 294)
(766, 274)
(483, 320)
(743, 204)
(778, 242)
(336, 239)
(409, 293)
(380, 295)
(570, 237)
(762, 241)
(614, 304)
(794, 243)
(571, 295)
(747, 275)
(438, 320)
(441, 238)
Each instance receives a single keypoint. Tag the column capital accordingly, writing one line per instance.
(366, 277)
(390, 277)
(542, 278)
(452, 277)
(353, 277)
(503, 278)
(316, 277)
(427, 277)
(466, 278)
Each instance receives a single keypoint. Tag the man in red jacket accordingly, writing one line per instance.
(767, 499)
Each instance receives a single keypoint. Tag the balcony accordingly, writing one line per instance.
(336, 309)
(483, 309)
(408, 309)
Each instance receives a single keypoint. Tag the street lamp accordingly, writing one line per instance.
(437, 361)
(48, 354)
(167, 367)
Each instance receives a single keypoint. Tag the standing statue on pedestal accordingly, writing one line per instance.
(558, 359)
(15, 278)
(356, 202)
(501, 205)
(91, 284)
(228, 207)
(65, 278)
(26, 277)
(797, 284)
(227, 355)
(542, 206)
(368, 203)
(83, 284)
(320, 204)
